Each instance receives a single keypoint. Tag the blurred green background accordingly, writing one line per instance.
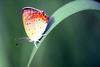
(75, 42)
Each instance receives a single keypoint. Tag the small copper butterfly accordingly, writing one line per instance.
(35, 22)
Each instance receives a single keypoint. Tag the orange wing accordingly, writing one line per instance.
(35, 23)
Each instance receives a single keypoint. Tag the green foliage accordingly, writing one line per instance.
(72, 40)
(62, 13)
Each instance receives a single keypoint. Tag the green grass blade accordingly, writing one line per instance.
(62, 13)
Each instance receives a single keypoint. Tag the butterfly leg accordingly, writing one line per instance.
(35, 43)
(44, 35)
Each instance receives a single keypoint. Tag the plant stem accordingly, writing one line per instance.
(64, 12)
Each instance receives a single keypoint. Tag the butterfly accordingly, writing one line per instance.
(35, 22)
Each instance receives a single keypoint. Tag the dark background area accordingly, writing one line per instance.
(97, 0)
